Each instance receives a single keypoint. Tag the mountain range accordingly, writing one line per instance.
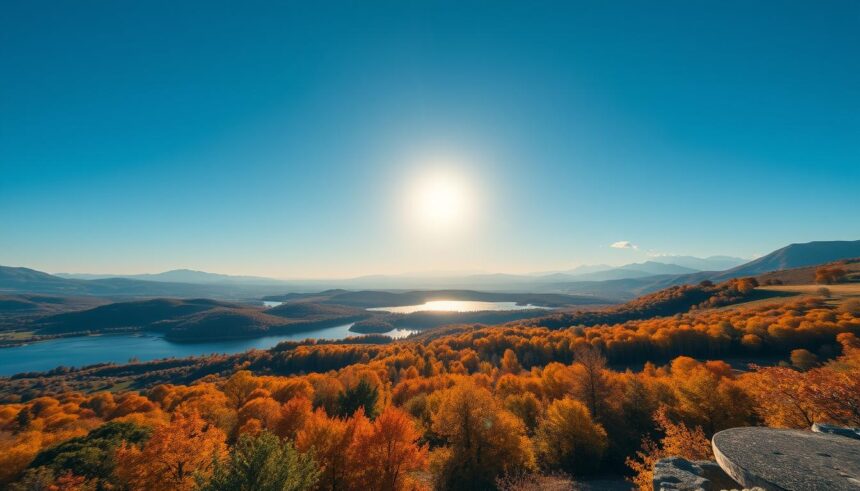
(178, 276)
(635, 270)
(659, 265)
(711, 263)
(620, 283)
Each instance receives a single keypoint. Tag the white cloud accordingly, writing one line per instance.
(624, 244)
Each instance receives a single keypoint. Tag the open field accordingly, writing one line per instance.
(806, 275)
(842, 290)
(16, 335)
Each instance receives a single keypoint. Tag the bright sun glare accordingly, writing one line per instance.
(441, 200)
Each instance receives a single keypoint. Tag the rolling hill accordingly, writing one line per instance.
(195, 319)
(796, 256)
(806, 275)
(28, 304)
(35, 303)
(139, 314)
(307, 310)
(31, 281)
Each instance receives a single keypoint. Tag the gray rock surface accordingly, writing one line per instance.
(677, 474)
(778, 460)
(716, 475)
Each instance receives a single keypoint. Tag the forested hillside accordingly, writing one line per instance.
(477, 407)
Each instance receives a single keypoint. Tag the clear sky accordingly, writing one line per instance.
(290, 139)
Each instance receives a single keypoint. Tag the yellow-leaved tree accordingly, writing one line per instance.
(485, 440)
(568, 439)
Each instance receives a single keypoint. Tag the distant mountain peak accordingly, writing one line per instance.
(710, 263)
(656, 267)
(588, 268)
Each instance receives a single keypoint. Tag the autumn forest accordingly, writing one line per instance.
(529, 403)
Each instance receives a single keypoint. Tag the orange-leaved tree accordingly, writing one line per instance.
(390, 451)
(173, 456)
(330, 439)
(678, 441)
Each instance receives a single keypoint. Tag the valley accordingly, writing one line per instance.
(174, 327)
(429, 246)
(684, 348)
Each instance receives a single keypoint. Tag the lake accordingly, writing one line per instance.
(456, 306)
(120, 348)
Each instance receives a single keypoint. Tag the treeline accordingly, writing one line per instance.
(765, 330)
(755, 331)
(669, 301)
(142, 375)
(197, 319)
(461, 412)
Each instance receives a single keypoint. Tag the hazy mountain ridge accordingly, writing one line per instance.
(620, 283)
(710, 263)
(797, 256)
(26, 280)
(634, 270)
(658, 265)
(789, 257)
(177, 276)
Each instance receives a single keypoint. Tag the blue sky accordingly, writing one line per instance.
(280, 138)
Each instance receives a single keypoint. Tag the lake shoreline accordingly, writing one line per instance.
(120, 347)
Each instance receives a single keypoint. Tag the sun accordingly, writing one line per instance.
(440, 200)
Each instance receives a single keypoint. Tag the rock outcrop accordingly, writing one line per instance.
(762, 459)
(677, 474)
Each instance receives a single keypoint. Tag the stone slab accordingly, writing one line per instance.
(793, 460)
(675, 473)
(678, 474)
